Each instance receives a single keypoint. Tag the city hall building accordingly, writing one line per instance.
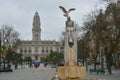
(37, 48)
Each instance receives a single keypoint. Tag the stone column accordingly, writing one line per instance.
(70, 39)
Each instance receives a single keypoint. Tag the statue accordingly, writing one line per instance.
(69, 24)
(70, 70)
(66, 13)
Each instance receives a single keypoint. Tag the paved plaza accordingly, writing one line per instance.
(33, 74)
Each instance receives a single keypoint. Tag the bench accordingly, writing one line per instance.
(97, 71)
(6, 70)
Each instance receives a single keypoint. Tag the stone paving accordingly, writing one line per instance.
(28, 74)
(34, 74)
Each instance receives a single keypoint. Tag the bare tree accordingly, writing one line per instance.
(105, 32)
(93, 34)
(9, 39)
(109, 1)
(111, 40)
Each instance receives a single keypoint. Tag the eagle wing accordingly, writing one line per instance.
(63, 9)
(71, 9)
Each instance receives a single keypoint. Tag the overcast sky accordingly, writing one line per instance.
(19, 13)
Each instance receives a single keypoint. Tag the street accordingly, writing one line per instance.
(35, 74)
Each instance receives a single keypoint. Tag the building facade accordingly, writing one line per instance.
(37, 48)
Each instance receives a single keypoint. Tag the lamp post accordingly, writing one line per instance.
(85, 58)
(84, 52)
(0, 49)
(102, 59)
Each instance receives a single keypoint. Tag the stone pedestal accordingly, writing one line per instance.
(71, 57)
(71, 72)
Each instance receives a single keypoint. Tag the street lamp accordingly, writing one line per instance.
(0, 49)
(85, 58)
(102, 59)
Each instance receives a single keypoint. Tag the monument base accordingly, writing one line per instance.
(71, 72)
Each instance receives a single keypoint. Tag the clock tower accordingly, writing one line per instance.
(36, 30)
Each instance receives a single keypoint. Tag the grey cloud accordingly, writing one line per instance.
(20, 14)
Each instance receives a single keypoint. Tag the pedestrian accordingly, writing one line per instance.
(15, 63)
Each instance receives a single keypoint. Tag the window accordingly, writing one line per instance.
(25, 51)
(51, 51)
(21, 51)
(29, 51)
(42, 51)
(57, 49)
(36, 49)
(46, 51)
(62, 48)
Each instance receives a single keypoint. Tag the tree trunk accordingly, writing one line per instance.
(102, 62)
(86, 63)
(4, 64)
(94, 63)
(108, 61)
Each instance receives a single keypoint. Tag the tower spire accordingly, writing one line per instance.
(36, 13)
(36, 30)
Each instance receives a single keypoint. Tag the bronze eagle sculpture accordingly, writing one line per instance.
(66, 13)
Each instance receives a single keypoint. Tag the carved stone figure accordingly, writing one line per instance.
(70, 70)
(70, 51)
(69, 25)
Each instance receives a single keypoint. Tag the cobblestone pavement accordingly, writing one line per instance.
(33, 74)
